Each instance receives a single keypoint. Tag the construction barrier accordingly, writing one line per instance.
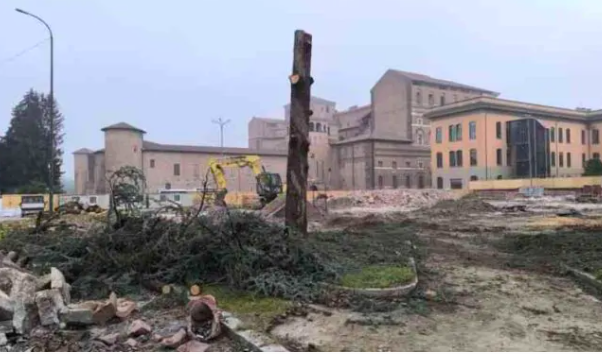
(546, 183)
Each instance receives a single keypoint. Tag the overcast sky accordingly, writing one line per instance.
(170, 67)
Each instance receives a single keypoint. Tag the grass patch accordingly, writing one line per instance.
(254, 310)
(378, 277)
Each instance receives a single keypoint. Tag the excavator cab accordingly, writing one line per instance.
(269, 185)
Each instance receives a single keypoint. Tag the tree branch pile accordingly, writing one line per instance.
(240, 250)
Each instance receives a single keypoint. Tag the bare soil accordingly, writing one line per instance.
(473, 294)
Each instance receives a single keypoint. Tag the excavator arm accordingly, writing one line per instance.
(268, 184)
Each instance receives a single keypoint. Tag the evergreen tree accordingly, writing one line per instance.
(25, 156)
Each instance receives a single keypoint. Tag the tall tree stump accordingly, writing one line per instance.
(298, 147)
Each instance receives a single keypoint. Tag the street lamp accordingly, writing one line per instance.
(221, 124)
(51, 97)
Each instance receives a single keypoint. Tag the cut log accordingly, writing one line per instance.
(195, 290)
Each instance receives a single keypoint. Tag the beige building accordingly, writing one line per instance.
(471, 140)
(165, 166)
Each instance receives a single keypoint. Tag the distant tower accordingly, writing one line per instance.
(123, 147)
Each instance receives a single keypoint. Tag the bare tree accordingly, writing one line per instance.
(297, 166)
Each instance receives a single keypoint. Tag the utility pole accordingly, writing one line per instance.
(221, 123)
(51, 103)
(298, 147)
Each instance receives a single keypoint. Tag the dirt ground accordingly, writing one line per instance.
(481, 303)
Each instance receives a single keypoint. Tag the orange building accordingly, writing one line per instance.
(469, 140)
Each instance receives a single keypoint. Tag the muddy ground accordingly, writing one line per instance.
(480, 298)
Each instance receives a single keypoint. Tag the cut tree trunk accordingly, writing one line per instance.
(298, 147)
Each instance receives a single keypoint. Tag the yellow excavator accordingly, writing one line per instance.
(269, 184)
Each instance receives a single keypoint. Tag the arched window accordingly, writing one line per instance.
(311, 126)
(318, 127)
(167, 185)
(408, 181)
(439, 183)
(418, 98)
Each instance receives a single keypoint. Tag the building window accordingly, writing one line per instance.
(394, 164)
(568, 157)
(552, 134)
(472, 130)
(568, 136)
(380, 164)
(380, 182)
(474, 178)
(498, 130)
(431, 99)
(394, 181)
(452, 133)
(560, 138)
(442, 100)
(408, 181)
(583, 160)
(152, 163)
(329, 130)
(455, 98)
(420, 164)
(176, 169)
(311, 126)
(596, 156)
(595, 136)
(93, 200)
(452, 159)
(438, 135)
(458, 132)
(167, 186)
(163, 198)
(498, 156)
(459, 158)
(473, 157)
(408, 164)
(318, 127)
(439, 160)
(176, 197)
(418, 98)
(420, 137)
(508, 157)
(420, 181)
(553, 159)
(583, 136)
(455, 183)
(560, 154)
(439, 183)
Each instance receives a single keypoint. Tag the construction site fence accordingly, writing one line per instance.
(546, 183)
(10, 203)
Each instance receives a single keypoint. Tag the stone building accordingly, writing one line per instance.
(472, 141)
(165, 166)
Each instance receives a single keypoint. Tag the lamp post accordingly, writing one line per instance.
(51, 97)
(221, 123)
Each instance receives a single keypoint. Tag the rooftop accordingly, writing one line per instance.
(122, 126)
(516, 107)
(83, 151)
(433, 81)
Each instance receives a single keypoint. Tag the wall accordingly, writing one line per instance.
(194, 167)
(391, 107)
(551, 183)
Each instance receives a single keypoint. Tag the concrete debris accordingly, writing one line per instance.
(6, 307)
(3, 339)
(6, 326)
(43, 282)
(132, 343)
(139, 328)
(78, 316)
(125, 308)
(104, 313)
(193, 346)
(397, 198)
(175, 340)
(49, 304)
(157, 337)
(57, 281)
(109, 339)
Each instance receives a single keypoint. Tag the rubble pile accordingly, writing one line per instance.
(397, 198)
(466, 205)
